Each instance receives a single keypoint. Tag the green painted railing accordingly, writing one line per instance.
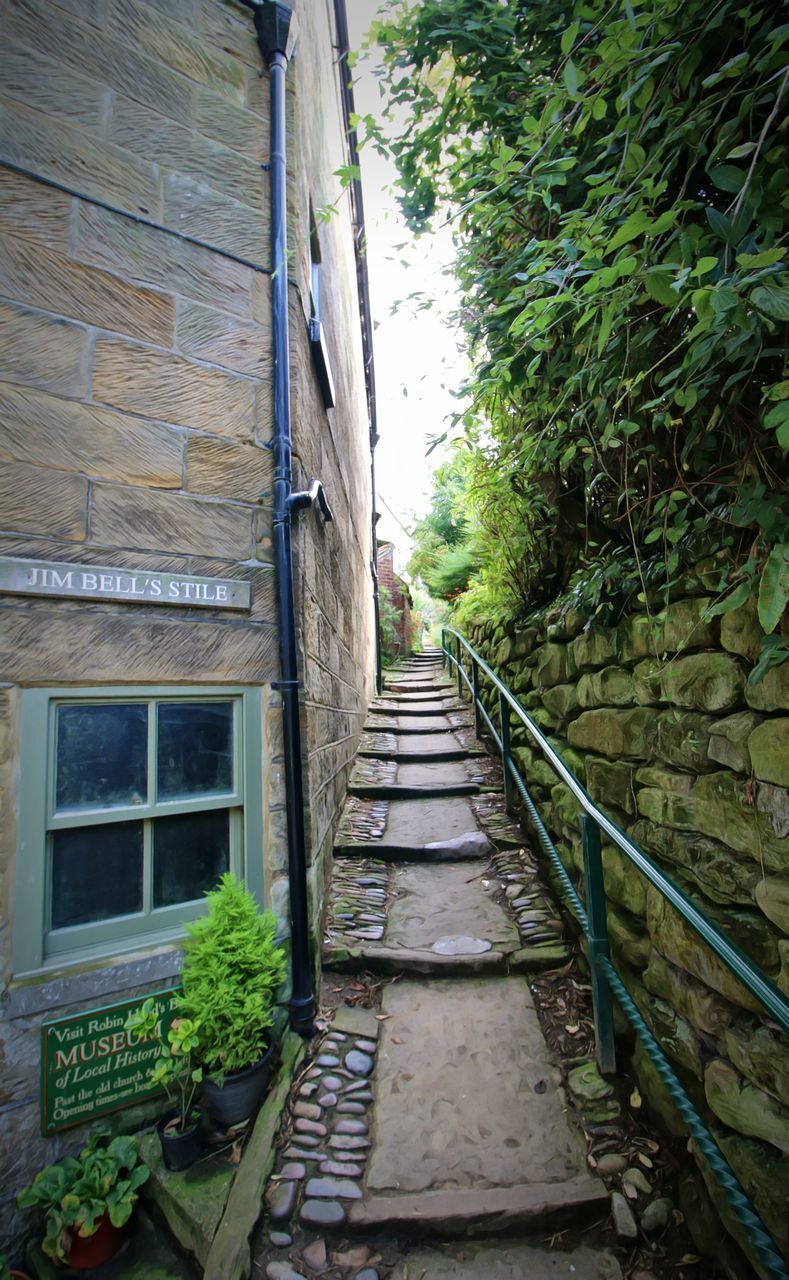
(606, 982)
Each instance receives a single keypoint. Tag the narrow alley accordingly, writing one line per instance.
(463, 1129)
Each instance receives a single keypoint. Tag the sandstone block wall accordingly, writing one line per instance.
(657, 719)
(136, 415)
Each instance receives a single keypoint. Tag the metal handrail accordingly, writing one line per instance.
(592, 918)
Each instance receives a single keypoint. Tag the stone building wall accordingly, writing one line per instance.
(657, 719)
(136, 419)
(400, 598)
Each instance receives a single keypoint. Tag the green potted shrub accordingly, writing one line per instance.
(232, 969)
(87, 1200)
(179, 1075)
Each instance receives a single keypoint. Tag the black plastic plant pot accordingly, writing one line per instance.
(180, 1149)
(241, 1092)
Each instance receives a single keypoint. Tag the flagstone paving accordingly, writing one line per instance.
(441, 1116)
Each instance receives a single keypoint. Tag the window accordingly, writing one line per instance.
(320, 353)
(134, 803)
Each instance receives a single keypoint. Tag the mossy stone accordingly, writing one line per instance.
(683, 739)
(635, 638)
(699, 681)
(772, 691)
(693, 1000)
(594, 648)
(756, 825)
(744, 1107)
(681, 945)
(741, 631)
(555, 664)
(772, 897)
(685, 624)
(768, 748)
(615, 732)
(561, 700)
(624, 885)
(629, 942)
(678, 1038)
(611, 687)
(665, 779)
(667, 808)
(728, 742)
(762, 1055)
(610, 782)
(764, 1176)
(721, 875)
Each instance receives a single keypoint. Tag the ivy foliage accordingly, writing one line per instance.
(616, 175)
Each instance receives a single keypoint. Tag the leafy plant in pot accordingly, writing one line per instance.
(87, 1200)
(176, 1071)
(231, 971)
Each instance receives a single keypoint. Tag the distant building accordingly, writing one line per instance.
(399, 595)
(141, 716)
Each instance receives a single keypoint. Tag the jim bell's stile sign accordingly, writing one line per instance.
(90, 1063)
(131, 586)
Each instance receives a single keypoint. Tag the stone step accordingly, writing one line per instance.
(506, 1260)
(384, 961)
(470, 1121)
(424, 830)
(371, 791)
(383, 743)
(411, 724)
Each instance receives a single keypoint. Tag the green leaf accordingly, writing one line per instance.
(777, 416)
(704, 265)
(738, 596)
(767, 258)
(727, 177)
(721, 225)
(633, 226)
(571, 77)
(569, 38)
(782, 436)
(773, 302)
(774, 588)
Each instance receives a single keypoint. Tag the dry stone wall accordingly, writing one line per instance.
(657, 718)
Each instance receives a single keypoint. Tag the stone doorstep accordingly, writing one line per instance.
(507, 1260)
(535, 1207)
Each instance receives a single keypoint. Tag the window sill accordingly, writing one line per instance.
(53, 989)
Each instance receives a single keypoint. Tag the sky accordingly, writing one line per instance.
(415, 351)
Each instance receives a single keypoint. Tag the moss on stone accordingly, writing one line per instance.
(768, 748)
(683, 740)
(744, 1107)
(729, 740)
(611, 687)
(728, 810)
(615, 732)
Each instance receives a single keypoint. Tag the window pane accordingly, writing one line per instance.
(102, 755)
(96, 873)
(190, 853)
(195, 749)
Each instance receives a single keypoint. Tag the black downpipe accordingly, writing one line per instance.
(275, 30)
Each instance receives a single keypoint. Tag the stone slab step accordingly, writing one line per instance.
(507, 1260)
(383, 744)
(371, 791)
(414, 724)
(430, 707)
(429, 830)
(470, 1122)
(373, 957)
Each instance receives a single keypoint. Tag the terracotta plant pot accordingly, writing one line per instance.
(87, 1252)
(180, 1149)
(241, 1093)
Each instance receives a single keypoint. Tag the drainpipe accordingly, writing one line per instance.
(276, 29)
